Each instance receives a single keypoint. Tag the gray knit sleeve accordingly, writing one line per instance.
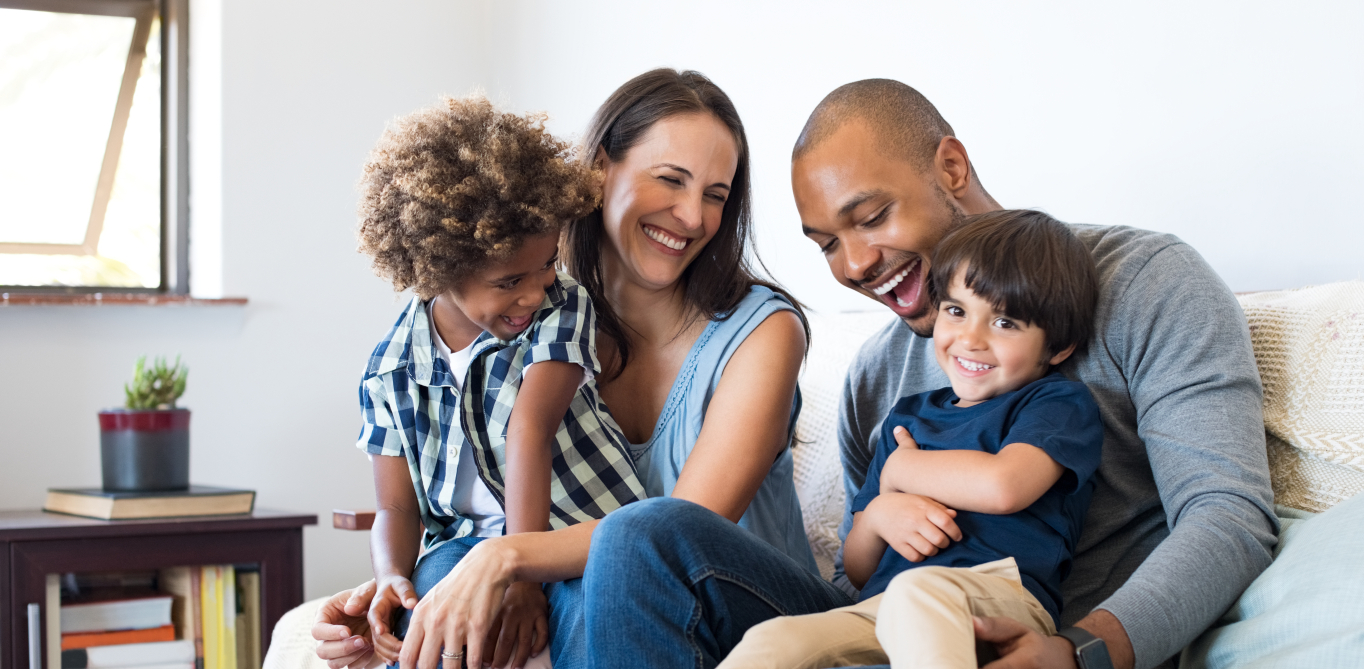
(1183, 345)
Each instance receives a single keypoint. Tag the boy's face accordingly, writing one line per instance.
(503, 297)
(984, 352)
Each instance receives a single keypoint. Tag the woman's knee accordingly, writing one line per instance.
(648, 523)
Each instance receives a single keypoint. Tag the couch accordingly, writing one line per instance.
(1309, 346)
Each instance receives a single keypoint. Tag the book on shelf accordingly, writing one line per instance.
(109, 505)
(72, 641)
(171, 653)
(218, 599)
(183, 584)
(132, 613)
(248, 619)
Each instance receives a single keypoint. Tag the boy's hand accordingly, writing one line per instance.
(392, 593)
(896, 462)
(915, 526)
(342, 630)
(522, 627)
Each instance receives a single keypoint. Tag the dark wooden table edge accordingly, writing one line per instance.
(70, 527)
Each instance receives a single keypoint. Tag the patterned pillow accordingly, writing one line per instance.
(1309, 346)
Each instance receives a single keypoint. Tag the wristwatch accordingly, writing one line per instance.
(1090, 651)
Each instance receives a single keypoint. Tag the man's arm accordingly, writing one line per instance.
(996, 483)
(1183, 344)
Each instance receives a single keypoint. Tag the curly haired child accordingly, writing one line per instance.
(481, 416)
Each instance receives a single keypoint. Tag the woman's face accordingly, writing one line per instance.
(662, 202)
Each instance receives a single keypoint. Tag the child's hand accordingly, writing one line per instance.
(522, 628)
(393, 593)
(915, 526)
(905, 444)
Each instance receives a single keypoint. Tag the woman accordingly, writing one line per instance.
(701, 359)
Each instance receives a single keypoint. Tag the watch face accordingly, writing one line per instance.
(1093, 655)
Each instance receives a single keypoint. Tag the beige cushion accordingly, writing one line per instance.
(834, 341)
(292, 645)
(1309, 346)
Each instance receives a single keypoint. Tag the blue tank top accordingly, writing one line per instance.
(774, 515)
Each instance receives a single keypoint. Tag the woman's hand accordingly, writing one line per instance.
(391, 593)
(522, 629)
(461, 609)
(342, 630)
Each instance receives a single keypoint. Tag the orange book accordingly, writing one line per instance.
(88, 639)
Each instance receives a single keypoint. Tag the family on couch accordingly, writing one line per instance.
(662, 317)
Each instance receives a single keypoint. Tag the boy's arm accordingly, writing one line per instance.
(862, 551)
(393, 544)
(914, 526)
(994, 483)
(547, 390)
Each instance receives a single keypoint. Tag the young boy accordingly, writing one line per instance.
(481, 416)
(974, 501)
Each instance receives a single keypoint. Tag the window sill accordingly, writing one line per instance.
(16, 299)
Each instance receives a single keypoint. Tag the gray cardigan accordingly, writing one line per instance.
(1182, 518)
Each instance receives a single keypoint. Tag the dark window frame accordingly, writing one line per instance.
(174, 15)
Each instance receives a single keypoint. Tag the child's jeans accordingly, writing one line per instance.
(923, 619)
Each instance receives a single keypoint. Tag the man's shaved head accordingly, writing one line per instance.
(908, 125)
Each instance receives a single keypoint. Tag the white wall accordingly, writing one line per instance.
(1233, 125)
(306, 90)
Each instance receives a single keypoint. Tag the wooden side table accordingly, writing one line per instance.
(35, 543)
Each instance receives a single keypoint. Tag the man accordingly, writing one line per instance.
(1182, 519)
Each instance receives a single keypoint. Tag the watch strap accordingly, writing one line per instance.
(1090, 651)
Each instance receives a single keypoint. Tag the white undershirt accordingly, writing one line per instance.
(472, 498)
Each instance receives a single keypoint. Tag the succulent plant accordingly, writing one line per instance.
(157, 387)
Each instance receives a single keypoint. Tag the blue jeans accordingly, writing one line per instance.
(566, 645)
(672, 584)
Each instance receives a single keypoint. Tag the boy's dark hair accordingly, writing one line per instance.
(451, 188)
(1029, 266)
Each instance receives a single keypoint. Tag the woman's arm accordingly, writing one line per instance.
(995, 483)
(747, 422)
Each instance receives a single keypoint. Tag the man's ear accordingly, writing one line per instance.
(953, 167)
(1061, 357)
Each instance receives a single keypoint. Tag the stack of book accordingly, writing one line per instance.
(203, 617)
(125, 632)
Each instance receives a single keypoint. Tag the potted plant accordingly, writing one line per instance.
(145, 446)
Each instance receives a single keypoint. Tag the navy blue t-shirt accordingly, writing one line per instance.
(1054, 414)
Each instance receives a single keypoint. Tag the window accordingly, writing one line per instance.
(92, 175)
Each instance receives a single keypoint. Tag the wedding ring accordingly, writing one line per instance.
(452, 656)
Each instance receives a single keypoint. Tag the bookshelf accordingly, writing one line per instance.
(34, 544)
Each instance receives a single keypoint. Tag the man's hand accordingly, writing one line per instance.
(391, 594)
(342, 630)
(904, 443)
(1022, 648)
(522, 628)
(914, 526)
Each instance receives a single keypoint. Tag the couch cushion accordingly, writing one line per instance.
(1307, 609)
(834, 341)
(1309, 346)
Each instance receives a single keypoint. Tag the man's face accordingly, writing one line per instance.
(875, 218)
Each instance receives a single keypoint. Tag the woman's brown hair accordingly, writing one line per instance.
(722, 275)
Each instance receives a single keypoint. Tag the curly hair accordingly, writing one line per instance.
(451, 188)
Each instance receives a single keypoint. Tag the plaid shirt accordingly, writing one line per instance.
(409, 401)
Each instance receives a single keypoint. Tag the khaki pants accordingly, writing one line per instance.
(923, 619)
